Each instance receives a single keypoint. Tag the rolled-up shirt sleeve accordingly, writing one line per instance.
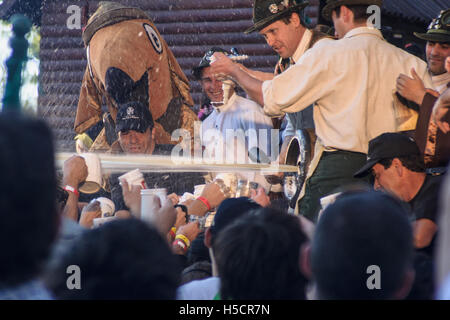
(300, 85)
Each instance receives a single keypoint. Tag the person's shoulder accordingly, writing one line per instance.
(209, 120)
(430, 188)
(163, 149)
(115, 148)
(324, 41)
(247, 105)
(323, 48)
(433, 181)
(204, 289)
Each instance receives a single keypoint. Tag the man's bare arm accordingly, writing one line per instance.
(441, 111)
(262, 76)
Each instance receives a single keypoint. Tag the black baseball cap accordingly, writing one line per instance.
(133, 116)
(206, 61)
(388, 146)
(229, 210)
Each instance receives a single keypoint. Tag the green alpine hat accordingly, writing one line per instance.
(332, 4)
(266, 12)
(439, 29)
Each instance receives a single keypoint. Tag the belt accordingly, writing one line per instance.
(338, 151)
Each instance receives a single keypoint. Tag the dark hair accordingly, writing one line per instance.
(359, 12)
(123, 259)
(287, 19)
(196, 271)
(413, 162)
(198, 251)
(423, 287)
(258, 257)
(357, 231)
(28, 218)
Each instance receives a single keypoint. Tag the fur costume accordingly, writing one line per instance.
(128, 60)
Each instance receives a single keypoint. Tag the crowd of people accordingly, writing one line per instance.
(378, 122)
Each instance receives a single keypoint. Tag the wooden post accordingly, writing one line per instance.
(21, 25)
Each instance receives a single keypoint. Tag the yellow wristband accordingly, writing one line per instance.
(183, 238)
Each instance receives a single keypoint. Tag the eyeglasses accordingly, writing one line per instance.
(441, 22)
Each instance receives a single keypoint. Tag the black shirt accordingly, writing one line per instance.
(425, 205)
(174, 182)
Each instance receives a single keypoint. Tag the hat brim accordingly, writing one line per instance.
(365, 170)
(265, 22)
(328, 9)
(131, 124)
(434, 37)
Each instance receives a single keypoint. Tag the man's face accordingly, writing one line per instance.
(437, 52)
(339, 25)
(133, 141)
(387, 179)
(283, 38)
(211, 86)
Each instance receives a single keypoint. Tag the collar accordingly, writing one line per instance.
(303, 45)
(364, 30)
(226, 106)
(440, 82)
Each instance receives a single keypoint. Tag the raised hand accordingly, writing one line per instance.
(413, 88)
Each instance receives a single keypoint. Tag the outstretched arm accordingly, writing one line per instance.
(224, 68)
(263, 76)
(441, 113)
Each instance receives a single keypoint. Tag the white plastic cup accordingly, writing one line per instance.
(328, 200)
(186, 196)
(94, 180)
(198, 189)
(230, 183)
(99, 221)
(107, 207)
(134, 178)
(147, 206)
(243, 188)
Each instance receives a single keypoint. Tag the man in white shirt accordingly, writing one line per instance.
(284, 26)
(437, 50)
(237, 116)
(432, 143)
(352, 83)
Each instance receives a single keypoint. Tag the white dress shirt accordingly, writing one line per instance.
(238, 114)
(352, 82)
(440, 82)
(302, 120)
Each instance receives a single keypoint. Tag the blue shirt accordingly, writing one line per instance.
(32, 290)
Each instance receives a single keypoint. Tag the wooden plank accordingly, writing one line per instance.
(190, 27)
